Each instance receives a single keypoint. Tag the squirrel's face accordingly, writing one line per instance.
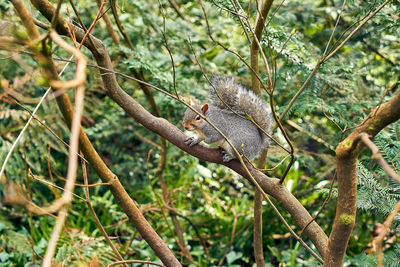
(192, 120)
(192, 124)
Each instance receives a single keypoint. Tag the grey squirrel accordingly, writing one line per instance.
(227, 98)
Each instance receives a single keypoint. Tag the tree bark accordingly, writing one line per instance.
(171, 133)
(117, 189)
(347, 153)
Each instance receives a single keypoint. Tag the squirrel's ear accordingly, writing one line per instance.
(190, 102)
(204, 108)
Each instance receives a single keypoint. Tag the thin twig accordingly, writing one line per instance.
(334, 29)
(45, 126)
(378, 240)
(376, 155)
(240, 19)
(84, 185)
(168, 48)
(229, 50)
(52, 185)
(228, 247)
(323, 110)
(313, 136)
(80, 77)
(355, 30)
(98, 16)
(50, 172)
(96, 218)
(121, 28)
(227, 10)
(285, 43)
(82, 24)
(324, 58)
(135, 261)
(253, 180)
(276, 166)
(322, 206)
(28, 123)
(74, 143)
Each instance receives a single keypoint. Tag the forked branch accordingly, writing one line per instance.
(347, 153)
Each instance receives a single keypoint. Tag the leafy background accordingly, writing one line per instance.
(364, 74)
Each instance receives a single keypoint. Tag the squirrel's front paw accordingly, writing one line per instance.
(191, 141)
(226, 157)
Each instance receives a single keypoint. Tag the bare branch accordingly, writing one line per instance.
(119, 24)
(14, 145)
(255, 84)
(74, 143)
(256, 47)
(347, 153)
(135, 261)
(90, 153)
(376, 155)
(96, 219)
(324, 58)
(80, 77)
(175, 136)
(378, 240)
(366, 19)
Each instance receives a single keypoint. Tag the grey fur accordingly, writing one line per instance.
(240, 131)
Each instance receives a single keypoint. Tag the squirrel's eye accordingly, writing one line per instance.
(198, 117)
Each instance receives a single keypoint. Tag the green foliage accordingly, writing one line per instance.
(84, 250)
(375, 195)
(213, 200)
(392, 258)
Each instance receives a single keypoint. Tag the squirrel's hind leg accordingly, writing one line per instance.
(226, 157)
(227, 152)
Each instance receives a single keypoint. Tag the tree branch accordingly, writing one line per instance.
(255, 84)
(376, 155)
(170, 132)
(122, 197)
(347, 153)
(254, 49)
(377, 241)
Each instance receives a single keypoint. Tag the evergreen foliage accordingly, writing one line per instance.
(213, 200)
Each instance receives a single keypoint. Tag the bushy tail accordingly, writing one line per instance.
(226, 94)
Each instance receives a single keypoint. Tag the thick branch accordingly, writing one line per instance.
(254, 49)
(170, 132)
(269, 185)
(22, 12)
(123, 198)
(347, 153)
(255, 83)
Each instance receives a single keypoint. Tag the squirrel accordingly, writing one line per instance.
(230, 104)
